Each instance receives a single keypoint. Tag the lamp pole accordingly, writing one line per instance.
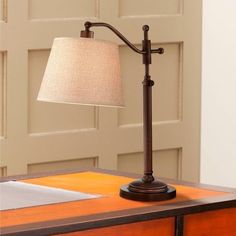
(147, 188)
(147, 109)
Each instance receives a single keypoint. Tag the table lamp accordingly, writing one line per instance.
(87, 71)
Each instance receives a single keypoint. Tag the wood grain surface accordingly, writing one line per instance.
(91, 182)
(218, 223)
(163, 227)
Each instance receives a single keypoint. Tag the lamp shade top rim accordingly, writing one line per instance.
(85, 39)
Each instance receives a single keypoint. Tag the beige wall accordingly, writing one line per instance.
(218, 162)
(40, 136)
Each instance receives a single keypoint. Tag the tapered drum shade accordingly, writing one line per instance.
(83, 71)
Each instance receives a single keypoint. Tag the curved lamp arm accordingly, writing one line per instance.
(87, 33)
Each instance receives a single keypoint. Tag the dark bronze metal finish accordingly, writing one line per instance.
(147, 197)
(86, 34)
(147, 188)
(179, 225)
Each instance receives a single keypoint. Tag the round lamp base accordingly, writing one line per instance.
(149, 196)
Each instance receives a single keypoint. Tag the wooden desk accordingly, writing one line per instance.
(197, 209)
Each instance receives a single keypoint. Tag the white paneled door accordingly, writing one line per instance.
(38, 136)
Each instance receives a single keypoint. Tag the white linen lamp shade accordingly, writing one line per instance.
(83, 71)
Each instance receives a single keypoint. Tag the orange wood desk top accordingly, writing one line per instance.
(108, 209)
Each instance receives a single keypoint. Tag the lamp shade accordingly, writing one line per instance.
(82, 71)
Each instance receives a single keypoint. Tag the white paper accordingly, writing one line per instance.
(15, 194)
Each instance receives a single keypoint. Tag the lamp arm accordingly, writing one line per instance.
(88, 25)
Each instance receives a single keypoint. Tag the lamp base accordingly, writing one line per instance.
(146, 192)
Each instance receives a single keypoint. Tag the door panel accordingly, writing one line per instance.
(40, 136)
